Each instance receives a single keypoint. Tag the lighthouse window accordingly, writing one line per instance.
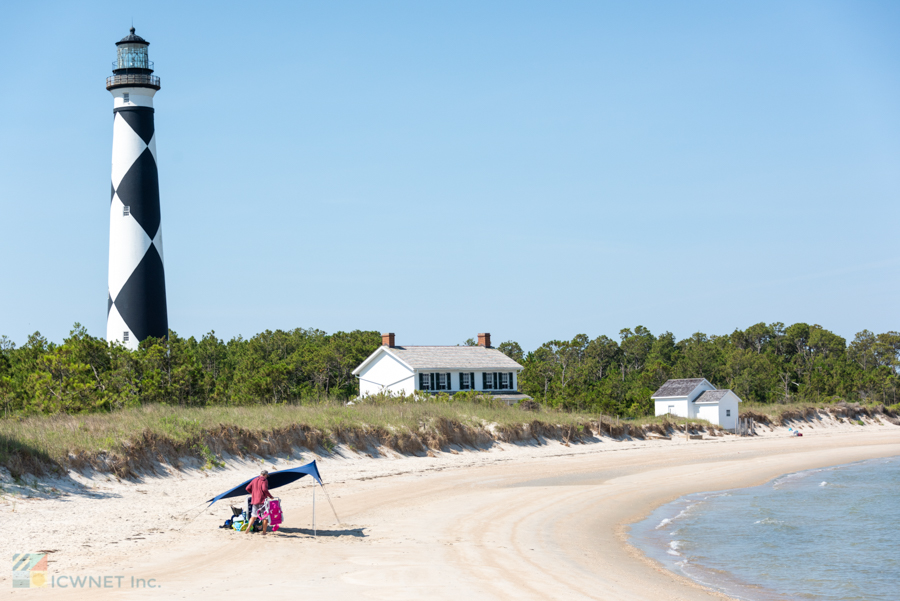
(126, 211)
(125, 337)
(125, 97)
(131, 56)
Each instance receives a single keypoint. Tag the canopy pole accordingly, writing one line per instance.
(328, 497)
(314, 509)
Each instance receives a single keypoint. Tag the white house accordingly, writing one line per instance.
(405, 369)
(697, 398)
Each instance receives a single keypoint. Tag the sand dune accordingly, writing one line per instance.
(513, 522)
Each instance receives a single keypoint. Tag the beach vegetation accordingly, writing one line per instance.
(86, 402)
(768, 364)
(137, 439)
(763, 364)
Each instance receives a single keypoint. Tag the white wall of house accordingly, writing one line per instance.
(723, 413)
(709, 412)
(386, 374)
(728, 411)
(676, 406)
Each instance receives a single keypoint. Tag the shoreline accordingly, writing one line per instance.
(860, 453)
(642, 536)
(512, 521)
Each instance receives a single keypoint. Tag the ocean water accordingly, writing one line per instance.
(830, 534)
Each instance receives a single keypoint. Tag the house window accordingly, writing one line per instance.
(125, 337)
(434, 381)
(125, 97)
(497, 381)
(728, 413)
(126, 211)
(467, 381)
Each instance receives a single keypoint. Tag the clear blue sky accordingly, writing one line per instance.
(438, 169)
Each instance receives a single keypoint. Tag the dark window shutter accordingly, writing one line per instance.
(483, 381)
(472, 380)
(512, 383)
(449, 382)
(432, 382)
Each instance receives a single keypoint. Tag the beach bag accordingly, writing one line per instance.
(239, 523)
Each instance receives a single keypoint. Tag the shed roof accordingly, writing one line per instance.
(711, 396)
(452, 357)
(678, 387)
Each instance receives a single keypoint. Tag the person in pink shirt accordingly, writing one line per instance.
(259, 492)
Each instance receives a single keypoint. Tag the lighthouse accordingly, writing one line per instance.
(136, 308)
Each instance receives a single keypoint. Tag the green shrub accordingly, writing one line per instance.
(208, 456)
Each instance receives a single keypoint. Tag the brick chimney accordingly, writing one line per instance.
(484, 340)
(387, 340)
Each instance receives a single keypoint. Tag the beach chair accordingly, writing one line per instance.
(272, 512)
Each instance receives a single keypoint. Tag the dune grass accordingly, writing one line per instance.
(165, 432)
(59, 435)
(131, 436)
(57, 438)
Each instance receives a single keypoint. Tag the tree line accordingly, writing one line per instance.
(770, 363)
(764, 363)
(85, 373)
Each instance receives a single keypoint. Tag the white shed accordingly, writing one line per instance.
(718, 407)
(697, 398)
(405, 369)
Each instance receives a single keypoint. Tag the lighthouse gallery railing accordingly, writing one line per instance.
(119, 80)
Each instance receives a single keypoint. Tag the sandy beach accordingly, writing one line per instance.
(510, 522)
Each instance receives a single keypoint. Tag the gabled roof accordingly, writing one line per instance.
(446, 357)
(676, 388)
(711, 396)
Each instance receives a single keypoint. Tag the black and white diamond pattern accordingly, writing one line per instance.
(137, 285)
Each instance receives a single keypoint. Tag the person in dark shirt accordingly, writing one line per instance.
(259, 492)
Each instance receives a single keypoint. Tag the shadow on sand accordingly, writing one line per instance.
(351, 532)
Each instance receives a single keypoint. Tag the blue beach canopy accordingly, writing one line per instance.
(276, 479)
